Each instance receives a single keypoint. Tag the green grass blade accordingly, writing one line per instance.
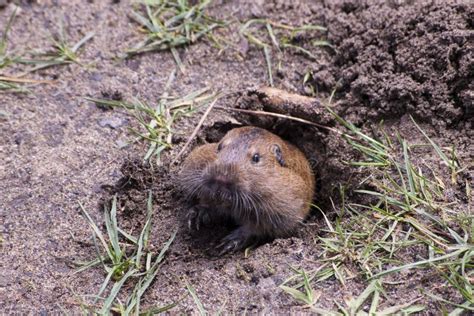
(82, 41)
(114, 292)
(404, 309)
(150, 275)
(438, 150)
(111, 103)
(420, 263)
(87, 265)
(196, 299)
(356, 304)
(4, 41)
(165, 248)
(461, 309)
(143, 239)
(268, 60)
(129, 237)
(96, 230)
(298, 295)
(104, 285)
(158, 310)
(111, 225)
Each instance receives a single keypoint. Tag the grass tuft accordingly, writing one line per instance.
(125, 259)
(280, 36)
(409, 207)
(306, 295)
(352, 306)
(61, 52)
(406, 206)
(157, 122)
(169, 25)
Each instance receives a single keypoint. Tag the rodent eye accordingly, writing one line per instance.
(256, 158)
(219, 147)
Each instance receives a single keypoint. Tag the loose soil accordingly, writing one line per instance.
(387, 61)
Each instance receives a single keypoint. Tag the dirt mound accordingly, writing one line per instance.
(396, 59)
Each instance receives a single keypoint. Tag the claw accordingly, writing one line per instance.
(193, 221)
(236, 240)
(190, 224)
(228, 247)
(197, 216)
(197, 222)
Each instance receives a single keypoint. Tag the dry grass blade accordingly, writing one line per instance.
(158, 310)
(196, 129)
(268, 60)
(8, 83)
(283, 116)
(96, 230)
(24, 80)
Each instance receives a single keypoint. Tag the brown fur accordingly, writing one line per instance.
(268, 198)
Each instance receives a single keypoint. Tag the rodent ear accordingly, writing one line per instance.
(276, 150)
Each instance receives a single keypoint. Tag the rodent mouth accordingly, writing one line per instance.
(220, 184)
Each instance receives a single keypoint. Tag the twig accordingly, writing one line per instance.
(198, 126)
(24, 80)
(297, 119)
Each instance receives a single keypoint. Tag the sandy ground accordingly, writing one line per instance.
(57, 149)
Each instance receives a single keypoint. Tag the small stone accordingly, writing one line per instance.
(121, 143)
(112, 122)
(95, 76)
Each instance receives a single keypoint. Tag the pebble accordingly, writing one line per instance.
(112, 122)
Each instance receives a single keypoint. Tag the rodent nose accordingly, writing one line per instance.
(222, 175)
(222, 179)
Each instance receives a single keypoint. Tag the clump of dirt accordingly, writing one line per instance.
(394, 58)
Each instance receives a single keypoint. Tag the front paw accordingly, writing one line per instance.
(197, 217)
(237, 240)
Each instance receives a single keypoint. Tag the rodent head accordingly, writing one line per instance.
(245, 156)
(252, 175)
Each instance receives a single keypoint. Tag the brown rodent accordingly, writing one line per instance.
(264, 184)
